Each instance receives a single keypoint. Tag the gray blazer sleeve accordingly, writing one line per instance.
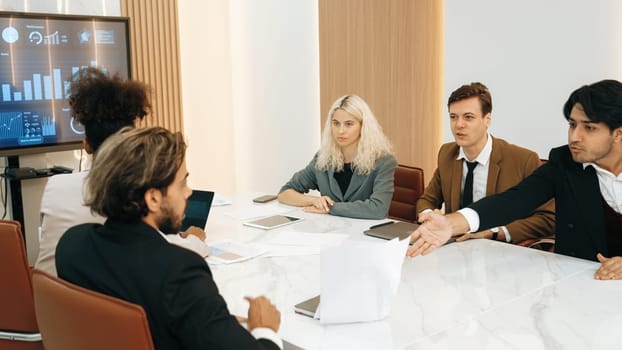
(304, 180)
(376, 206)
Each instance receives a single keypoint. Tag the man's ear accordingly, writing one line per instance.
(488, 118)
(153, 199)
(617, 134)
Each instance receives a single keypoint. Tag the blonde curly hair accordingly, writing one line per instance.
(372, 144)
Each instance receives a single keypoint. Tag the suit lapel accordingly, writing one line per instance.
(494, 168)
(355, 182)
(456, 183)
(586, 191)
(334, 186)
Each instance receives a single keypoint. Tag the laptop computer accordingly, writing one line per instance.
(308, 307)
(199, 204)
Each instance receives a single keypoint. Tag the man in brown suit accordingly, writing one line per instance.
(482, 165)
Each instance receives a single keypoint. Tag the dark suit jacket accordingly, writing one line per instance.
(508, 165)
(580, 228)
(174, 285)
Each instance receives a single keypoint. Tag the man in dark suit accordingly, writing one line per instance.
(138, 181)
(583, 177)
(498, 165)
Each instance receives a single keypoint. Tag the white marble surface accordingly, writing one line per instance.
(473, 295)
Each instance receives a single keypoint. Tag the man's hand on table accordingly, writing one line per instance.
(610, 268)
(262, 313)
(433, 233)
(195, 231)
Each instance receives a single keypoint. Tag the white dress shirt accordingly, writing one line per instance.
(480, 173)
(610, 186)
(480, 177)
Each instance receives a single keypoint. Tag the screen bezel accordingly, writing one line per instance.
(70, 145)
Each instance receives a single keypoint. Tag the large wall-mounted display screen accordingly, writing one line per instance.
(39, 54)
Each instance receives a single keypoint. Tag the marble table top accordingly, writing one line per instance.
(479, 294)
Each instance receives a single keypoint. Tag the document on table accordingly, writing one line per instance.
(359, 279)
(291, 243)
(225, 252)
(305, 238)
(256, 211)
(275, 250)
(219, 200)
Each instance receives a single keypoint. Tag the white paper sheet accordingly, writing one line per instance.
(220, 200)
(225, 252)
(276, 250)
(304, 238)
(359, 279)
(256, 211)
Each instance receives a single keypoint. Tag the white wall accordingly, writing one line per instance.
(531, 54)
(32, 190)
(250, 82)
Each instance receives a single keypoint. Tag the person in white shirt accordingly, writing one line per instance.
(584, 177)
(103, 104)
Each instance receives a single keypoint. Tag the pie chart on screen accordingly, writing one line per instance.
(10, 35)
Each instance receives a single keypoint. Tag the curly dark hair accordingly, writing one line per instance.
(104, 104)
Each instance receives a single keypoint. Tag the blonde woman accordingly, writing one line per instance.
(353, 170)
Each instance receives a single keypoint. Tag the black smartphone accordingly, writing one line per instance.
(264, 199)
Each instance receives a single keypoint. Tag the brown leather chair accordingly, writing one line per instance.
(18, 324)
(74, 318)
(408, 187)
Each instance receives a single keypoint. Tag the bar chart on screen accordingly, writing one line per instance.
(39, 86)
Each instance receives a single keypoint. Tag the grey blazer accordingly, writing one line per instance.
(367, 197)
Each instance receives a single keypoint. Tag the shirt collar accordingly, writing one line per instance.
(484, 156)
(162, 234)
(602, 171)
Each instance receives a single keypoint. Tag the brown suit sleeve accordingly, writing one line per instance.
(541, 223)
(438, 191)
(432, 197)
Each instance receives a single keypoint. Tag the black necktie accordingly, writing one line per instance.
(467, 194)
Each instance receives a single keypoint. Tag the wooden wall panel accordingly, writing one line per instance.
(155, 57)
(390, 53)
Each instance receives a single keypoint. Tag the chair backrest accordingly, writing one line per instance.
(408, 187)
(18, 324)
(73, 318)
